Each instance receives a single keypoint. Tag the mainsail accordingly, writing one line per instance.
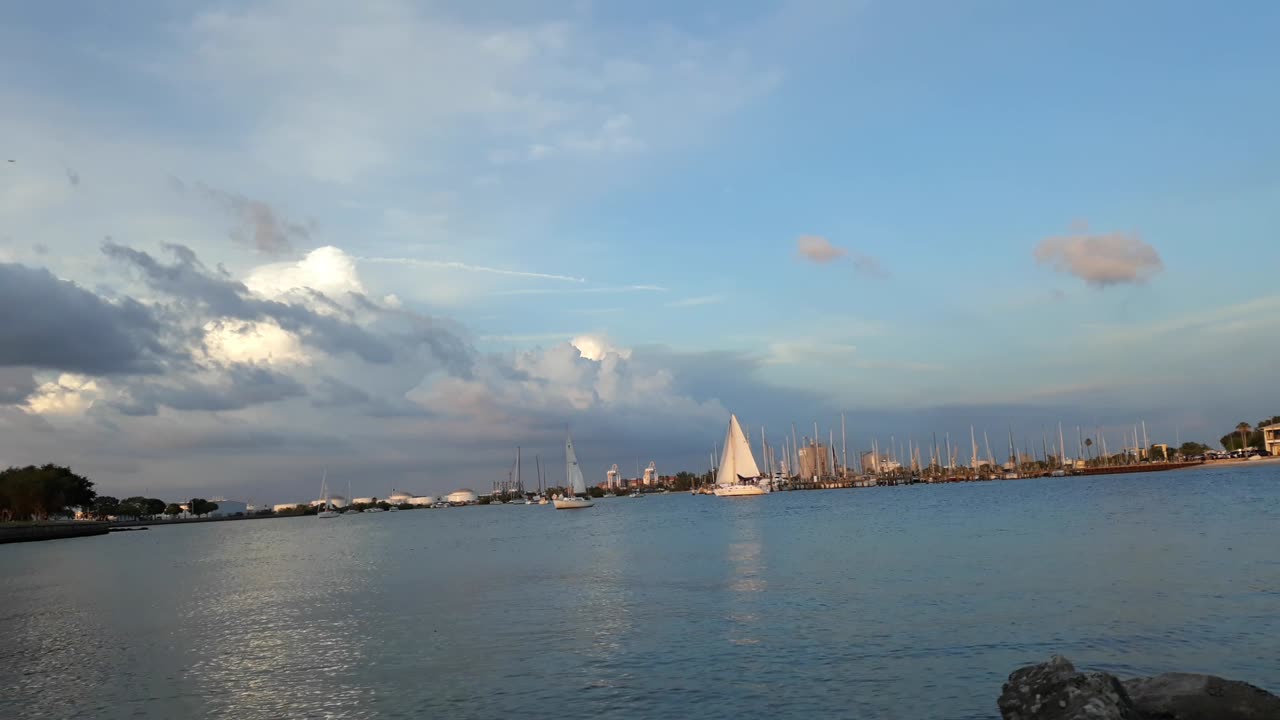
(573, 473)
(736, 462)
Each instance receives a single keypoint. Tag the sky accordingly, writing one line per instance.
(243, 244)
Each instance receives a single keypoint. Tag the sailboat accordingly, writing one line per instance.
(738, 475)
(326, 511)
(575, 483)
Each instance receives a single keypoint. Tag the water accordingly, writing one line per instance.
(912, 602)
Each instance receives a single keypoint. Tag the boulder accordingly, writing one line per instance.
(1056, 691)
(1187, 696)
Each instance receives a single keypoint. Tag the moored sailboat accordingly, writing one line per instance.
(326, 510)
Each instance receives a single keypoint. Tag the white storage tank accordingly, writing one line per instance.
(462, 497)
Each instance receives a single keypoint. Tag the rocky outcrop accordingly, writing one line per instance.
(1055, 690)
(1187, 696)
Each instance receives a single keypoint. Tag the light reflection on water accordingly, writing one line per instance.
(890, 603)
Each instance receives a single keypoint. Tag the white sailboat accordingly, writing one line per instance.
(575, 483)
(738, 475)
(326, 510)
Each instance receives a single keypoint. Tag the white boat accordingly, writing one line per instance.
(738, 476)
(375, 508)
(326, 510)
(393, 508)
(575, 482)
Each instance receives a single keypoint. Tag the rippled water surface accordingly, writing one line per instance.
(912, 602)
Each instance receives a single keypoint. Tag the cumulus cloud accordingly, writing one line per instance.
(188, 280)
(54, 324)
(229, 341)
(259, 225)
(596, 347)
(1101, 260)
(69, 394)
(818, 249)
(326, 269)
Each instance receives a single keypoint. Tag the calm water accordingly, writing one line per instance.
(911, 602)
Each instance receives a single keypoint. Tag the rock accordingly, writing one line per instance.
(1055, 691)
(1187, 696)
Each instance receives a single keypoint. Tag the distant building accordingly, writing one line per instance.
(364, 501)
(422, 501)
(650, 475)
(285, 507)
(335, 500)
(228, 508)
(815, 460)
(462, 497)
(1271, 438)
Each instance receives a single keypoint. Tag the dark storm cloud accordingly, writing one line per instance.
(54, 324)
(188, 279)
(239, 387)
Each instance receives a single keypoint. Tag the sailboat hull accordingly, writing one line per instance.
(572, 503)
(327, 514)
(740, 491)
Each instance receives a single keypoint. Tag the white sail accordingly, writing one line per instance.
(736, 462)
(573, 473)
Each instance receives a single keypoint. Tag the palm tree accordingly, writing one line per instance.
(1244, 434)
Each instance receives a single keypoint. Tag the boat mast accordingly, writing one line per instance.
(844, 449)
(1062, 448)
(991, 459)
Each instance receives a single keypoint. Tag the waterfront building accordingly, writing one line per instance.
(399, 497)
(815, 460)
(337, 501)
(284, 507)
(228, 508)
(463, 496)
(422, 501)
(1271, 438)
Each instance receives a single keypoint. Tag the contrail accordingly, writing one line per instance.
(454, 265)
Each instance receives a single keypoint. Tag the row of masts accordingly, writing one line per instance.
(823, 463)
(514, 484)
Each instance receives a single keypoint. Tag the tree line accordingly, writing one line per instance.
(1247, 436)
(51, 491)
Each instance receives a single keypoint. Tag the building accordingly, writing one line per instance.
(462, 497)
(364, 501)
(228, 508)
(399, 497)
(815, 460)
(335, 500)
(612, 477)
(422, 501)
(1271, 438)
(650, 475)
(285, 507)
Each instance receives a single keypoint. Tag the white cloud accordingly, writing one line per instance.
(1101, 260)
(808, 351)
(67, 395)
(228, 341)
(327, 269)
(696, 300)
(596, 347)
(818, 249)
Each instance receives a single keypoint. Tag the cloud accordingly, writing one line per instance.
(801, 352)
(16, 383)
(260, 225)
(596, 347)
(1101, 260)
(327, 269)
(818, 249)
(868, 266)
(696, 300)
(240, 386)
(69, 394)
(220, 296)
(54, 324)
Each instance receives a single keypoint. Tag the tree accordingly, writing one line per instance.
(200, 507)
(1189, 449)
(153, 507)
(1157, 453)
(105, 506)
(38, 492)
(173, 510)
(1243, 428)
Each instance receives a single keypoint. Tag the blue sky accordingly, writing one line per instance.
(1025, 212)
